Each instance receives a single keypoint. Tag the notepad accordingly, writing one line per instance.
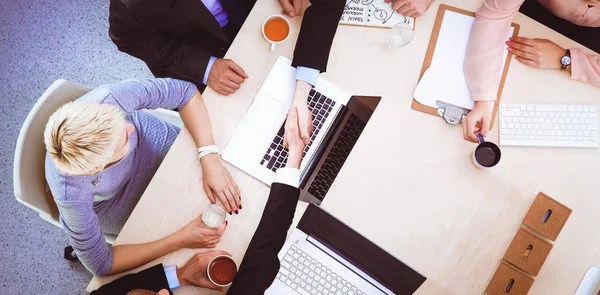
(373, 13)
(444, 79)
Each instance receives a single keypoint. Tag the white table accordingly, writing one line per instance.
(432, 208)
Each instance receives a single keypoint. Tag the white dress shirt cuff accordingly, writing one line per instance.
(208, 67)
(289, 176)
(171, 274)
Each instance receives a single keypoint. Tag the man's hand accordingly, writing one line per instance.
(193, 273)
(537, 53)
(225, 76)
(196, 234)
(218, 183)
(478, 120)
(292, 7)
(293, 142)
(412, 8)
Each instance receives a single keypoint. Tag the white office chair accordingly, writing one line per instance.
(29, 182)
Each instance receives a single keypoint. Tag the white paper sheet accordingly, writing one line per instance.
(373, 13)
(445, 79)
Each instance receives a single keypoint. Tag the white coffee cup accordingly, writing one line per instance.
(273, 43)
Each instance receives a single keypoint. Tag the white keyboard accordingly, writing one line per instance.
(549, 125)
(309, 277)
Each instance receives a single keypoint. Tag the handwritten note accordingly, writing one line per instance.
(372, 13)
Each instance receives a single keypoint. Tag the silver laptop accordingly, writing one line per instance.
(338, 120)
(324, 256)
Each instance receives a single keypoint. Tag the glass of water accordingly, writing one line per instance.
(400, 35)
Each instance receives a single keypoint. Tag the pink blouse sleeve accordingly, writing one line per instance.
(585, 67)
(483, 59)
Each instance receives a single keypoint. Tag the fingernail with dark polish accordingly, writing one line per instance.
(226, 222)
(230, 213)
(240, 207)
(236, 212)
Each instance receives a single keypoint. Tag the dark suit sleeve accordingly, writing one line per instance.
(173, 57)
(261, 264)
(153, 279)
(319, 25)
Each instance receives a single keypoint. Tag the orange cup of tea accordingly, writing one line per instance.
(276, 29)
(221, 270)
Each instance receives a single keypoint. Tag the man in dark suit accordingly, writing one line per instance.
(187, 39)
(260, 264)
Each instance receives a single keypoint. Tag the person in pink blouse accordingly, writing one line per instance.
(483, 60)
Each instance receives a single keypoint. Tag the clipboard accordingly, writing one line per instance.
(451, 113)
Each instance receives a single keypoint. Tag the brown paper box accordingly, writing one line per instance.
(556, 220)
(532, 262)
(504, 275)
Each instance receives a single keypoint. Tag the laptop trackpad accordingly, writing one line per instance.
(266, 115)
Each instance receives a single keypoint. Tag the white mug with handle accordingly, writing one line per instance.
(269, 39)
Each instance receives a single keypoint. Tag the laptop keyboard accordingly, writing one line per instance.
(337, 156)
(320, 106)
(307, 276)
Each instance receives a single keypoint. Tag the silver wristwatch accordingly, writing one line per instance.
(565, 61)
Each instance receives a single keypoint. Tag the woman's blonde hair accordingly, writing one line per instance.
(82, 136)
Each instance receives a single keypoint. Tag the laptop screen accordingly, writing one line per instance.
(586, 36)
(362, 253)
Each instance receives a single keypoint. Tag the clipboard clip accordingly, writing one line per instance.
(451, 113)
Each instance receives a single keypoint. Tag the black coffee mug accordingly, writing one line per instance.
(487, 154)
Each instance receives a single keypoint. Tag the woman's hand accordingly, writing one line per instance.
(193, 273)
(218, 183)
(537, 53)
(478, 120)
(293, 141)
(197, 235)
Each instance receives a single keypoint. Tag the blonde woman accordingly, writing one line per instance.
(483, 59)
(101, 154)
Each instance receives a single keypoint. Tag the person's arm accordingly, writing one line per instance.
(80, 222)
(194, 235)
(87, 239)
(411, 8)
(483, 58)
(260, 264)
(311, 54)
(581, 13)
(483, 62)
(152, 279)
(184, 61)
(585, 67)
(144, 94)
(137, 38)
(132, 95)
(319, 25)
(218, 183)
(169, 278)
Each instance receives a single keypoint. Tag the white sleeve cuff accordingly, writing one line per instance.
(171, 274)
(289, 176)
